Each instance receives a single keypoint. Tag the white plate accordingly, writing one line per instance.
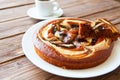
(32, 12)
(109, 65)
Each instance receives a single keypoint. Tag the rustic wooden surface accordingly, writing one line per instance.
(14, 22)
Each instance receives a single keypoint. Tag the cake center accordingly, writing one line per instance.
(76, 34)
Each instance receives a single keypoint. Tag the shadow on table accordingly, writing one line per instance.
(117, 0)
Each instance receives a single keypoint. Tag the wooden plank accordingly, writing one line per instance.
(84, 8)
(11, 28)
(23, 24)
(14, 27)
(22, 69)
(14, 13)
(65, 3)
(15, 3)
(20, 12)
(10, 48)
(4, 4)
(106, 14)
(91, 7)
(118, 26)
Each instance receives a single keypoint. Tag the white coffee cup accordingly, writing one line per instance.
(46, 8)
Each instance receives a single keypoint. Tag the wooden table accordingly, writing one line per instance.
(14, 22)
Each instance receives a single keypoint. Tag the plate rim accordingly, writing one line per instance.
(35, 27)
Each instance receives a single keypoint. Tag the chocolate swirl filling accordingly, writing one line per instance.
(77, 34)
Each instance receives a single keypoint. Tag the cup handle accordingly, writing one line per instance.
(56, 6)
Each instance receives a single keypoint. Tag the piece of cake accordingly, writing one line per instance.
(73, 43)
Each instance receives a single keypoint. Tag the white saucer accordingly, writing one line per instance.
(109, 65)
(32, 12)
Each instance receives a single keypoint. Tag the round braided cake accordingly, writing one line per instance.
(73, 43)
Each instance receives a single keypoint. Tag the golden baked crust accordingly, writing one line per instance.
(72, 57)
(55, 58)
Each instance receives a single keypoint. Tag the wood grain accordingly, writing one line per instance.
(14, 27)
(14, 13)
(18, 9)
(91, 7)
(10, 30)
(4, 4)
(22, 69)
(118, 27)
(14, 22)
(79, 9)
(11, 48)
(106, 14)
